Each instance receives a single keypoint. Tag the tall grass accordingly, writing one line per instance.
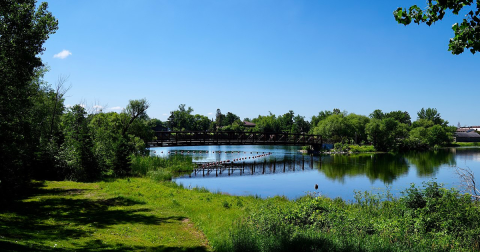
(159, 168)
(424, 219)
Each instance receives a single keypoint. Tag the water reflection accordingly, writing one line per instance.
(385, 167)
(286, 172)
(428, 163)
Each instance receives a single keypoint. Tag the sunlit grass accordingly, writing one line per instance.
(140, 214)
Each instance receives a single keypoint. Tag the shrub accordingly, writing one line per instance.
(159, 168)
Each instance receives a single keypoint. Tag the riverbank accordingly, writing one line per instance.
(140, 214)
(126, 214)
(341, 149)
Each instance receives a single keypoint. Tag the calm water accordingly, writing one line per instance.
(289, 173)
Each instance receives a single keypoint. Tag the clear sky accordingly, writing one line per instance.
(253, 57)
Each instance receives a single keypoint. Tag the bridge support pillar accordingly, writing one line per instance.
(315, 147)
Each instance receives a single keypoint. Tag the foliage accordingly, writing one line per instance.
(386, 133)
(23, 30)
(321, 116)
(467, 33)
(183, 120)
(424, 219)
(432, 115)
(75, 160)
(342, 127)
(361, 148)
(267, 123)
(161, 169)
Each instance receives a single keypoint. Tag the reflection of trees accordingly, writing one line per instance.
(386, 167)
(427, 163)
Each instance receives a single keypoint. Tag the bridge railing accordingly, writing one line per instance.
(242, 137)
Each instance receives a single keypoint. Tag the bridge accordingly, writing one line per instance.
(195, 138)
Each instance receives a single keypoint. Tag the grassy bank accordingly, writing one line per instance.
(150, 214)
(141, 214)
(161, 169)
(127, 214)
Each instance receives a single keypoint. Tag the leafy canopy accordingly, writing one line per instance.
(467, 34)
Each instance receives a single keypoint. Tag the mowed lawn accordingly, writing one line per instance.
(133, 214)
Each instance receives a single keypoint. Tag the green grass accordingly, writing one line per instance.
(424, 219)
(161, 169)
(363, 148)
(141, 214)
(126, 214)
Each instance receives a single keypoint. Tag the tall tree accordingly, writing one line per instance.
(431, 114)
(467, 34)
(219, 118)
(181, 119)
(23, 30)
(229, 119)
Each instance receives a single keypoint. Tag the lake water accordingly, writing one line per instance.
(280, 170)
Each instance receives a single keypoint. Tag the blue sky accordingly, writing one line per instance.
(256, 57)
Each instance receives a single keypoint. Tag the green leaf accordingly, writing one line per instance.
(399, 13)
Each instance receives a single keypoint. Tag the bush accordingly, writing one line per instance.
(159, 168)
(364, 148)
(431, 218)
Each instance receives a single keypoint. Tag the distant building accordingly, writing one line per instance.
(476, 128)
(248, 124)
(467, 136)
(463, 129)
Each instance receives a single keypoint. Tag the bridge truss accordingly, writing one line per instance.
(192, 138)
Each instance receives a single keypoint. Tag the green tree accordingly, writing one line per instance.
(467, 34)
(229, 119)
(357, 125)
(201, 123)
(437, 135)
(75, 160)
(286, 122)
(23, 30)
(432, 115)
(322, 115)
(402, 117)
(334, 128)
(219, 117)
(300, 125)
(377, 114)
(181, 119)
(47, 134)
(386, 134)
(267, 123)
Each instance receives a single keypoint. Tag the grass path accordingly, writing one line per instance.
(135, 214)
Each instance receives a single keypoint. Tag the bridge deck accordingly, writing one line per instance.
(186, 138)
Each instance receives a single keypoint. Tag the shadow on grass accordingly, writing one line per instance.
(96, 245)
(54, 218)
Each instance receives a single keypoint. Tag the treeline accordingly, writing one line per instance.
(392, 131)
(183, 119)
(39, 137)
